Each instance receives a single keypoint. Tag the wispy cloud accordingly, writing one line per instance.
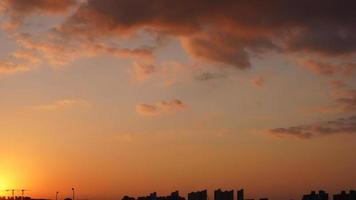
(161, 107)
(58, 50)
(62, 104)
(343, 99)
(318, 129)
(258, 81)
(206, 76)
(18, 10)
(8, 67)
(329, 69)
(143, 71)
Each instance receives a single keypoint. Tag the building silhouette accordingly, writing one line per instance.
(226, 195)
(175, 196)
(345, 196)
(240, 194)
(153, 196)
(322, 195)
(172, 196)
(223, 195)
(128, 198)
(200, 195)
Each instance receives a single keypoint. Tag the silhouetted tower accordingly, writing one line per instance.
(240, 194)
(323, 195)
(12, 193)
(352, 195)
(200, 195)
(22, 193)
(128, 198)
(314, 196)
(174, 196)
(153, 196)
(223, 195)
(345, 196)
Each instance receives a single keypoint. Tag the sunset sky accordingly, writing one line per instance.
(118, 97)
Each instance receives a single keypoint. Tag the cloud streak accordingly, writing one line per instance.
(206, 76)
(328, 69)
(143, 71)
(58, 50)
(8, 67)
(18, 10)
(160, 108)
(309, 131)
(62, 104)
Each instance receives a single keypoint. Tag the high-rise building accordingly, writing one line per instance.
(322, 195)
(240, 194)
(200, 195)
(175, 196)
(223, 195)
(152, 196)
(345, 196)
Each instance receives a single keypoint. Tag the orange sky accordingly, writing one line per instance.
(130, 97)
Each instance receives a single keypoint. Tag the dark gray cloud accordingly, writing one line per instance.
(338, 126)
(227, 31)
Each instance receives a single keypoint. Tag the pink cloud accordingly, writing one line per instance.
(19, 9)
(143, 71)
(8, 67)
(329, 69)
(58, 51)
(258, 81)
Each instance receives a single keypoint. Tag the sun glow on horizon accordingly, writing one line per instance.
(6, 182)
(3, 185)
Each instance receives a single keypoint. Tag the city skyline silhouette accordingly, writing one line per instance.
(203, 195)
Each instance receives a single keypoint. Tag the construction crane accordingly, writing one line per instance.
(12, 192)
(73, 193)
(23, 193)
(16, 190)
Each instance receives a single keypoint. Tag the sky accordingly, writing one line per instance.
(127, 97)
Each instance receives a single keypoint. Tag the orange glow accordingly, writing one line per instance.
(4, 185)
(128, 97)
